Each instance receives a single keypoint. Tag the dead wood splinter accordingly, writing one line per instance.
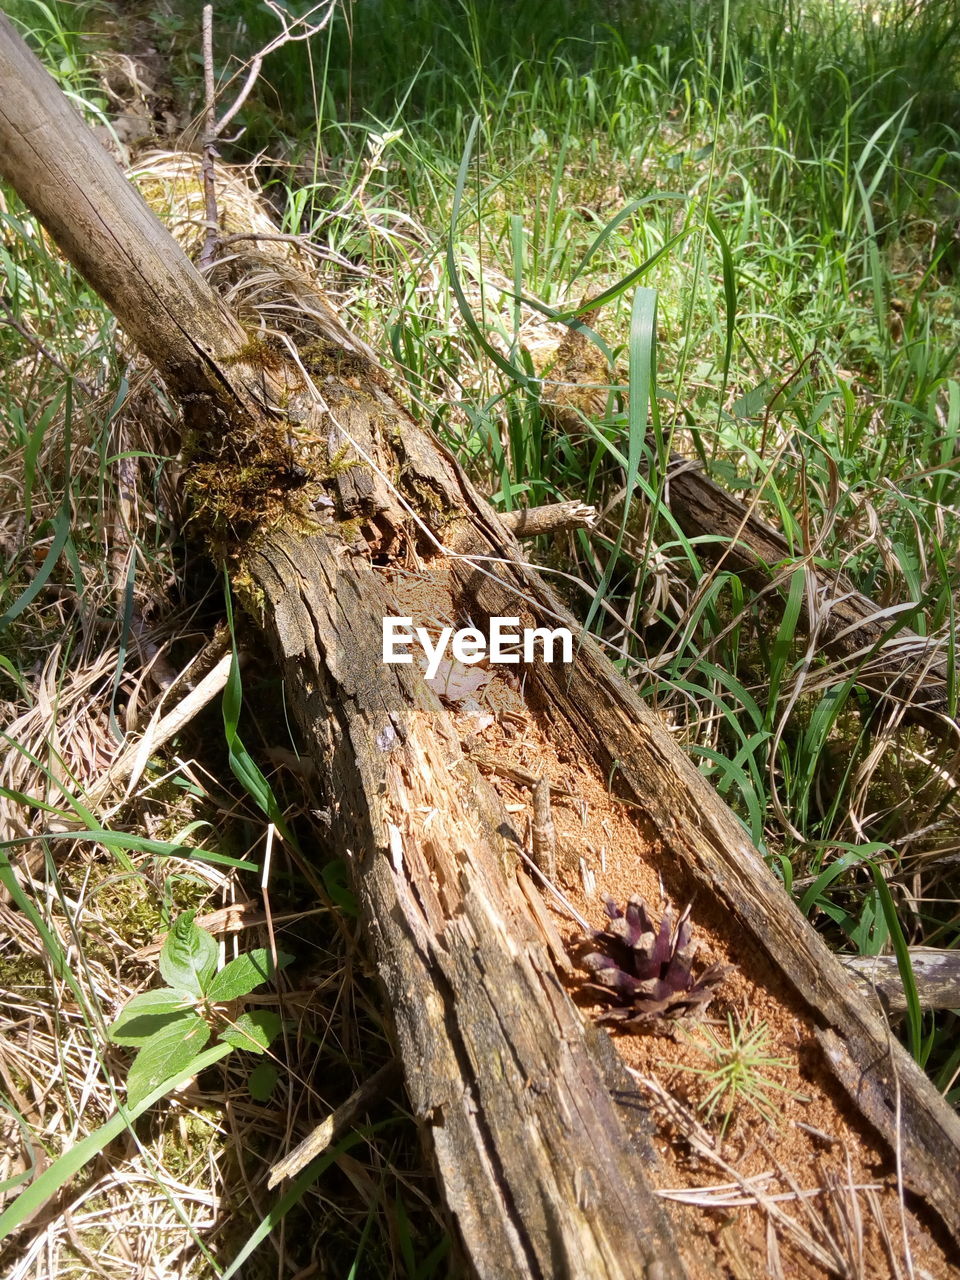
(543, 832)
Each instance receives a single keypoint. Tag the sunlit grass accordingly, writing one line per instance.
(480, 175)
(789, 185)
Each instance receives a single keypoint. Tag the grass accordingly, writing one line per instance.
(782, 186)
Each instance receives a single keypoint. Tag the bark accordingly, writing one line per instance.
(543, 1174)
(106, 230)
(936, 975)
(531, 522)
(536, 1165)
(543, 1171)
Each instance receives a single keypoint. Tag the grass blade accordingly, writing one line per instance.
(904, 964)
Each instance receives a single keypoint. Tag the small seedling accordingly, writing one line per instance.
(738, 1071)
(171, 1025)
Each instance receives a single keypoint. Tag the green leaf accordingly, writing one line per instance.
(61, 533)
(188, 959)
(853, 855)
(253, 1031)
(167, 1053)
(262, 1081)
(904, 964)
(121, 840)
(242, 764)
(729, 292)
(12, 673)
(241, 975)
(785, 640)
(512, 371)
(754, 401)
(334, 877)
(643, 353)
(281, 1207)
(146, 1014)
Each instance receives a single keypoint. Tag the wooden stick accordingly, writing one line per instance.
(531, 522)
(337, 1123)
(936, 973)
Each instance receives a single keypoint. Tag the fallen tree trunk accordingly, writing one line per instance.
(541, 1173)
(544, 1173)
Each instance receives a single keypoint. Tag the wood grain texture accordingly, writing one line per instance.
(936, 974)
(538, 1167)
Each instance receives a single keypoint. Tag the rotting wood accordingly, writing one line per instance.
(496, 1058)
(504, 769)
(541, 1171)
(514, 1090)
(702, 834)
(935, 973)
(543, 833)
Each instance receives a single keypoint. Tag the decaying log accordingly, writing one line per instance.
(541, 1170)
(703, 835)
(535, 1162)
(894, 663)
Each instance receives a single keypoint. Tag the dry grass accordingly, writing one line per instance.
(107, 748)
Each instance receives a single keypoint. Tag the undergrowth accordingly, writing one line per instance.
(750, 219)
